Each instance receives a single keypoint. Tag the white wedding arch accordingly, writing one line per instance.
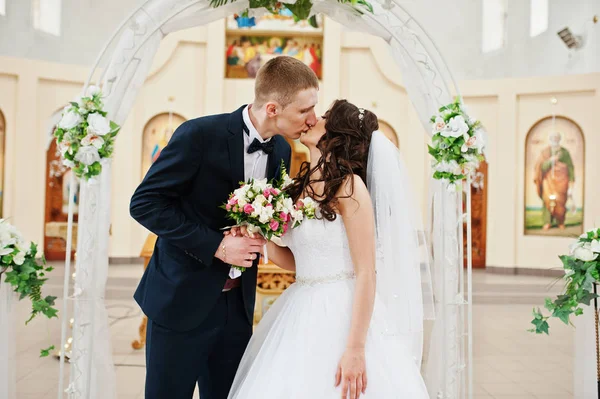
(121, 69)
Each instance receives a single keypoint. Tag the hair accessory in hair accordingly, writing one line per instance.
(361, 115)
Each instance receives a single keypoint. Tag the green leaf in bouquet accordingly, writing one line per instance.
(562, 314)
(73, 103)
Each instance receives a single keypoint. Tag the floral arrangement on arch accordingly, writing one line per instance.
(457, 145)
(85, 136)
(300, 9)
(582, 271)
(25, 273)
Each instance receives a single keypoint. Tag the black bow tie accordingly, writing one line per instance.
(266, 147)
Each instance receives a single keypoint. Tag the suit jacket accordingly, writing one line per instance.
(179, 201)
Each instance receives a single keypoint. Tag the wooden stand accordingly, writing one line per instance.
(146, 254)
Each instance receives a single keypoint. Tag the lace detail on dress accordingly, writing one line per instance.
(321, 251)
(325, 279)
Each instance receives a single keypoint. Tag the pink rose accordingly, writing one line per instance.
(248, 209)
(274, 225)
(285, 227)
(266, 193)
(284, 216)
(232, 201)
(236, 208)
(269, 206)
(228, 207)
(300, 204)
(274, 191)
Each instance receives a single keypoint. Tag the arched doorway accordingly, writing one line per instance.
(58, 177)
(156, 135)
(478, 217)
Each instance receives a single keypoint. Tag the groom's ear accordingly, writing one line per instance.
(272, 109)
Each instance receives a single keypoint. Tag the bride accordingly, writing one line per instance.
(351, 324)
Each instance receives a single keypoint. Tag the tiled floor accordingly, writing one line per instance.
(509, 362)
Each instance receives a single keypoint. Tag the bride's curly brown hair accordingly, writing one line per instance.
(344, 152)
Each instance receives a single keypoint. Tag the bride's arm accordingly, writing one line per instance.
(281, 256)
(357, 214)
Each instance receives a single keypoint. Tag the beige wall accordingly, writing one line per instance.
(190, 68)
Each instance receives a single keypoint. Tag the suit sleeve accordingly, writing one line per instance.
(156, 202)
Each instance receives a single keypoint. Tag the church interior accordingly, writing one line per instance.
(528, 70)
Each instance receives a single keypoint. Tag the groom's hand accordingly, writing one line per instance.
(239, 251)
(241, 231)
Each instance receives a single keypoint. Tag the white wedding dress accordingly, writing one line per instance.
(295, 350)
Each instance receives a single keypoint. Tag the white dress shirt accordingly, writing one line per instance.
(255, 164)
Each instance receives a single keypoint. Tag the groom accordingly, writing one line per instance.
(200, 320)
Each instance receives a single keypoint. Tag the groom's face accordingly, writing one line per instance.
(299, 115)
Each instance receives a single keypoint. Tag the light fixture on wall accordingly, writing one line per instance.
(569, 39)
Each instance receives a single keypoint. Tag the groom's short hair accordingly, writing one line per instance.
(280, 79)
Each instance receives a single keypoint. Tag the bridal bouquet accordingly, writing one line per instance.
(84, 135)
(457, 144)
(24, 273)
(582, 271)
(265, 208)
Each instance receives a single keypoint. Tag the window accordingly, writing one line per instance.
(538, 19)
(493, 19)
(2, 7)
(46, 16)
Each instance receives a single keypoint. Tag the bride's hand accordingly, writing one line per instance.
(352, 373)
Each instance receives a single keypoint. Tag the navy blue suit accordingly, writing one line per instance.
(195, 332)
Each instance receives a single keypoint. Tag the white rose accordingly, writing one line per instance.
(260, 184)
(7, 239)
(260, 199)
(584, 253)
(97, 124)
(257, 208)
(456, 127)
(19, 258)
(87, 155)
(92, 91)
(69, 120)
(24, 246)
(264, 217)
(288, 205)
(5, 251)
(242, 202)
(92, 139)
(595, 246)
